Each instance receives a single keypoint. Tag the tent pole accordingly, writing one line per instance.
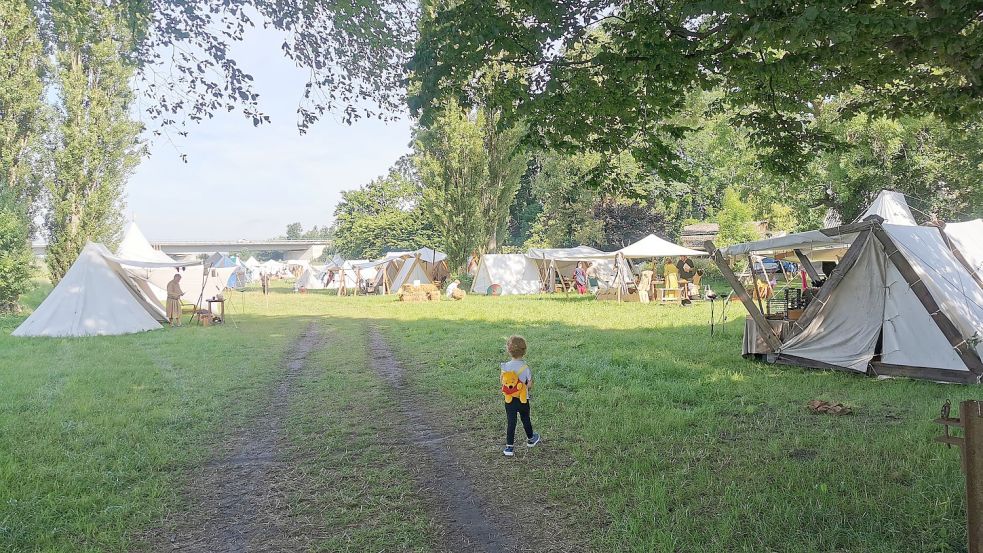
(807, 265)
(767, 332)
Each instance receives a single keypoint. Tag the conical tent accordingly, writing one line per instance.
(237, 278)
(892, 207)
(136, 247)
(95, 297)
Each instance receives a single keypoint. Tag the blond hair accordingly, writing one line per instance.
(516, 346)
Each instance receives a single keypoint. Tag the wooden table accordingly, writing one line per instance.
(221, 303)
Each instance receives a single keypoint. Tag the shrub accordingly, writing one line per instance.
(16, 257)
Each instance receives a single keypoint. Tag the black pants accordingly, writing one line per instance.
(513, 408)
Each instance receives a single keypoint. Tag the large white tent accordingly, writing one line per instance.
(310, 279)
(97, 296)
(653, 246)
(902, 301)
(515, 273)
(890, 206)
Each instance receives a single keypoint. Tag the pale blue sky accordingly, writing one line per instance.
(245, 182)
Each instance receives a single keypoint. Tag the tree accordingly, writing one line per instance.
(97, 143)
(735, 219)
(611, 75)
(16, 256)
(507, 162)
(453, 165)
(294, 231)
(22, 108)
(382, 216)
(354, 51)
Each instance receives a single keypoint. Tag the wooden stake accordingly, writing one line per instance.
(767, 332)
(971, 415)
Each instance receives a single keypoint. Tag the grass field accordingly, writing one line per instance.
(656, 436)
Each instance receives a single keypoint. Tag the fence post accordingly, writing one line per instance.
(972, 416)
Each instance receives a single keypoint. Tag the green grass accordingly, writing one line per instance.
(657, 437)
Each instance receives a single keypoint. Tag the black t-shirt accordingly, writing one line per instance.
(684, 274)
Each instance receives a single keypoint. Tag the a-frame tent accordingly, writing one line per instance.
(900, 302)
(413, 270)
(97, 296)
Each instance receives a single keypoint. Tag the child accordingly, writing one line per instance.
(514, 406)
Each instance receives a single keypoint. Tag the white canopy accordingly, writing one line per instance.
(428, 255)
(892, 207)
(515, 273)
(252, 263)
(806, 241)
(653, 246)
(95, 297)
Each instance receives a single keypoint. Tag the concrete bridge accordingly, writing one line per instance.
(305, 250)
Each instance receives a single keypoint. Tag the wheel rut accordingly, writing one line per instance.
(238, 500)
(469, 523)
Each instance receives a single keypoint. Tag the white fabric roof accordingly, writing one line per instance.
(806, 241)
(892, 206)
(515, 273)
(310, 280)
(967, 237)
(252, 263)
(428, 255)
(653, 246)
(95, 297)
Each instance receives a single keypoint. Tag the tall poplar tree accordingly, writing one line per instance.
(97, 142)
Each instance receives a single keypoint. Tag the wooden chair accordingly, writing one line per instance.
(670, 292)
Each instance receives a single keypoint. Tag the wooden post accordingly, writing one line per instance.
(963, 348)
(807, 265)
(971, 414)
(971, 444)
(767, 332)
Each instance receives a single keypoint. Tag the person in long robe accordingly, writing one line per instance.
(174, 294)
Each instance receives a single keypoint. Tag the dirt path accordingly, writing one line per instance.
(238, 500)
(467, 520)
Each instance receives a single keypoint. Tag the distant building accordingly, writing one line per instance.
(693, 236)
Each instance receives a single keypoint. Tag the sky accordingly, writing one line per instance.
(246, 182)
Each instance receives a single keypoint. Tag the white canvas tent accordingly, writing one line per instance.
(136, 247)
(900, 302)
(412, 271)
(310, 279)
(653, 246)
(515, 273)
(892, 207)
(97, 296)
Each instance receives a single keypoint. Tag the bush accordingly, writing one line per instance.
(16, 257)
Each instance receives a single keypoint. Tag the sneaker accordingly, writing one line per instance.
(531, 442)
(509, 451)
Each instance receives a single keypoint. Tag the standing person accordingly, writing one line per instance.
(174, 294)
(514, 406)
(580, 278)
(264, 279)
(686, 273)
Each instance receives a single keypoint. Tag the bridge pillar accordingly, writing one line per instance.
(309, 254)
